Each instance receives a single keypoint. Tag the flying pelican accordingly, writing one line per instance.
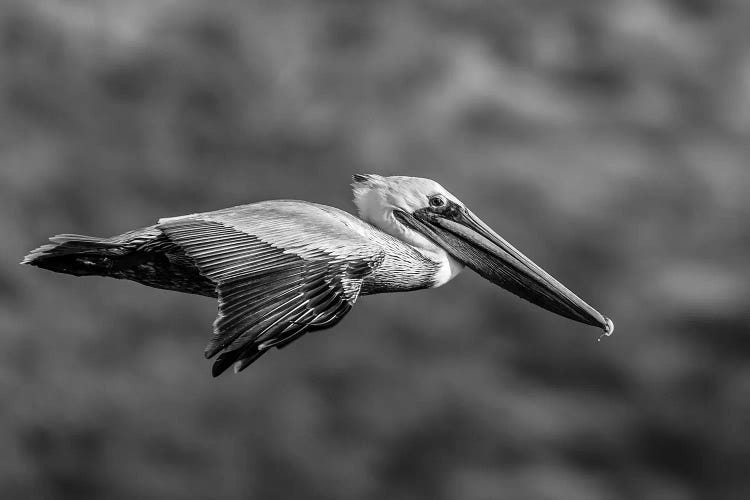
(283, 268)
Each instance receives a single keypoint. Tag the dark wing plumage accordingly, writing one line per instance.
(281, 270)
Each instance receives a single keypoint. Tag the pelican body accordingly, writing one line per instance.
(283, 268)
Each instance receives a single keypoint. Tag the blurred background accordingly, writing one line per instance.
(607, 139)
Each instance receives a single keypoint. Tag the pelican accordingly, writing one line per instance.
(283, 268)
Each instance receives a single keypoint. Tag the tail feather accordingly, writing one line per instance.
(74, 254)
(80, 239)
(144, 255)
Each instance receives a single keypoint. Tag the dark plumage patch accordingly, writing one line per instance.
(145, 256)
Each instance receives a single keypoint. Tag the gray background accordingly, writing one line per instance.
(606, 139)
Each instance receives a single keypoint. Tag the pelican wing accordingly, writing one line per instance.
(281, 268)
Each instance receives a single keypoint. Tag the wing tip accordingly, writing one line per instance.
(211, 350)
(220, 366)
(237, 359)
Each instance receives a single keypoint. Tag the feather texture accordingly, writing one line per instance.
(277, 276)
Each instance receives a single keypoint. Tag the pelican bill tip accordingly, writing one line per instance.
(609, 328)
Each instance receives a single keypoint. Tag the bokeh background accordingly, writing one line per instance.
(608, 139)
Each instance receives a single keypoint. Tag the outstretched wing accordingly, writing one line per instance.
(281, 268)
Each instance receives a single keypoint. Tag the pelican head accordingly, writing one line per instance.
(425, 215)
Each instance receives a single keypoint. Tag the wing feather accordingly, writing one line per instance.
(281, 269)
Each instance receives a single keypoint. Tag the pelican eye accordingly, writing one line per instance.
(437, 201)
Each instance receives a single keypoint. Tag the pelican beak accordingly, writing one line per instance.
(469, 240)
